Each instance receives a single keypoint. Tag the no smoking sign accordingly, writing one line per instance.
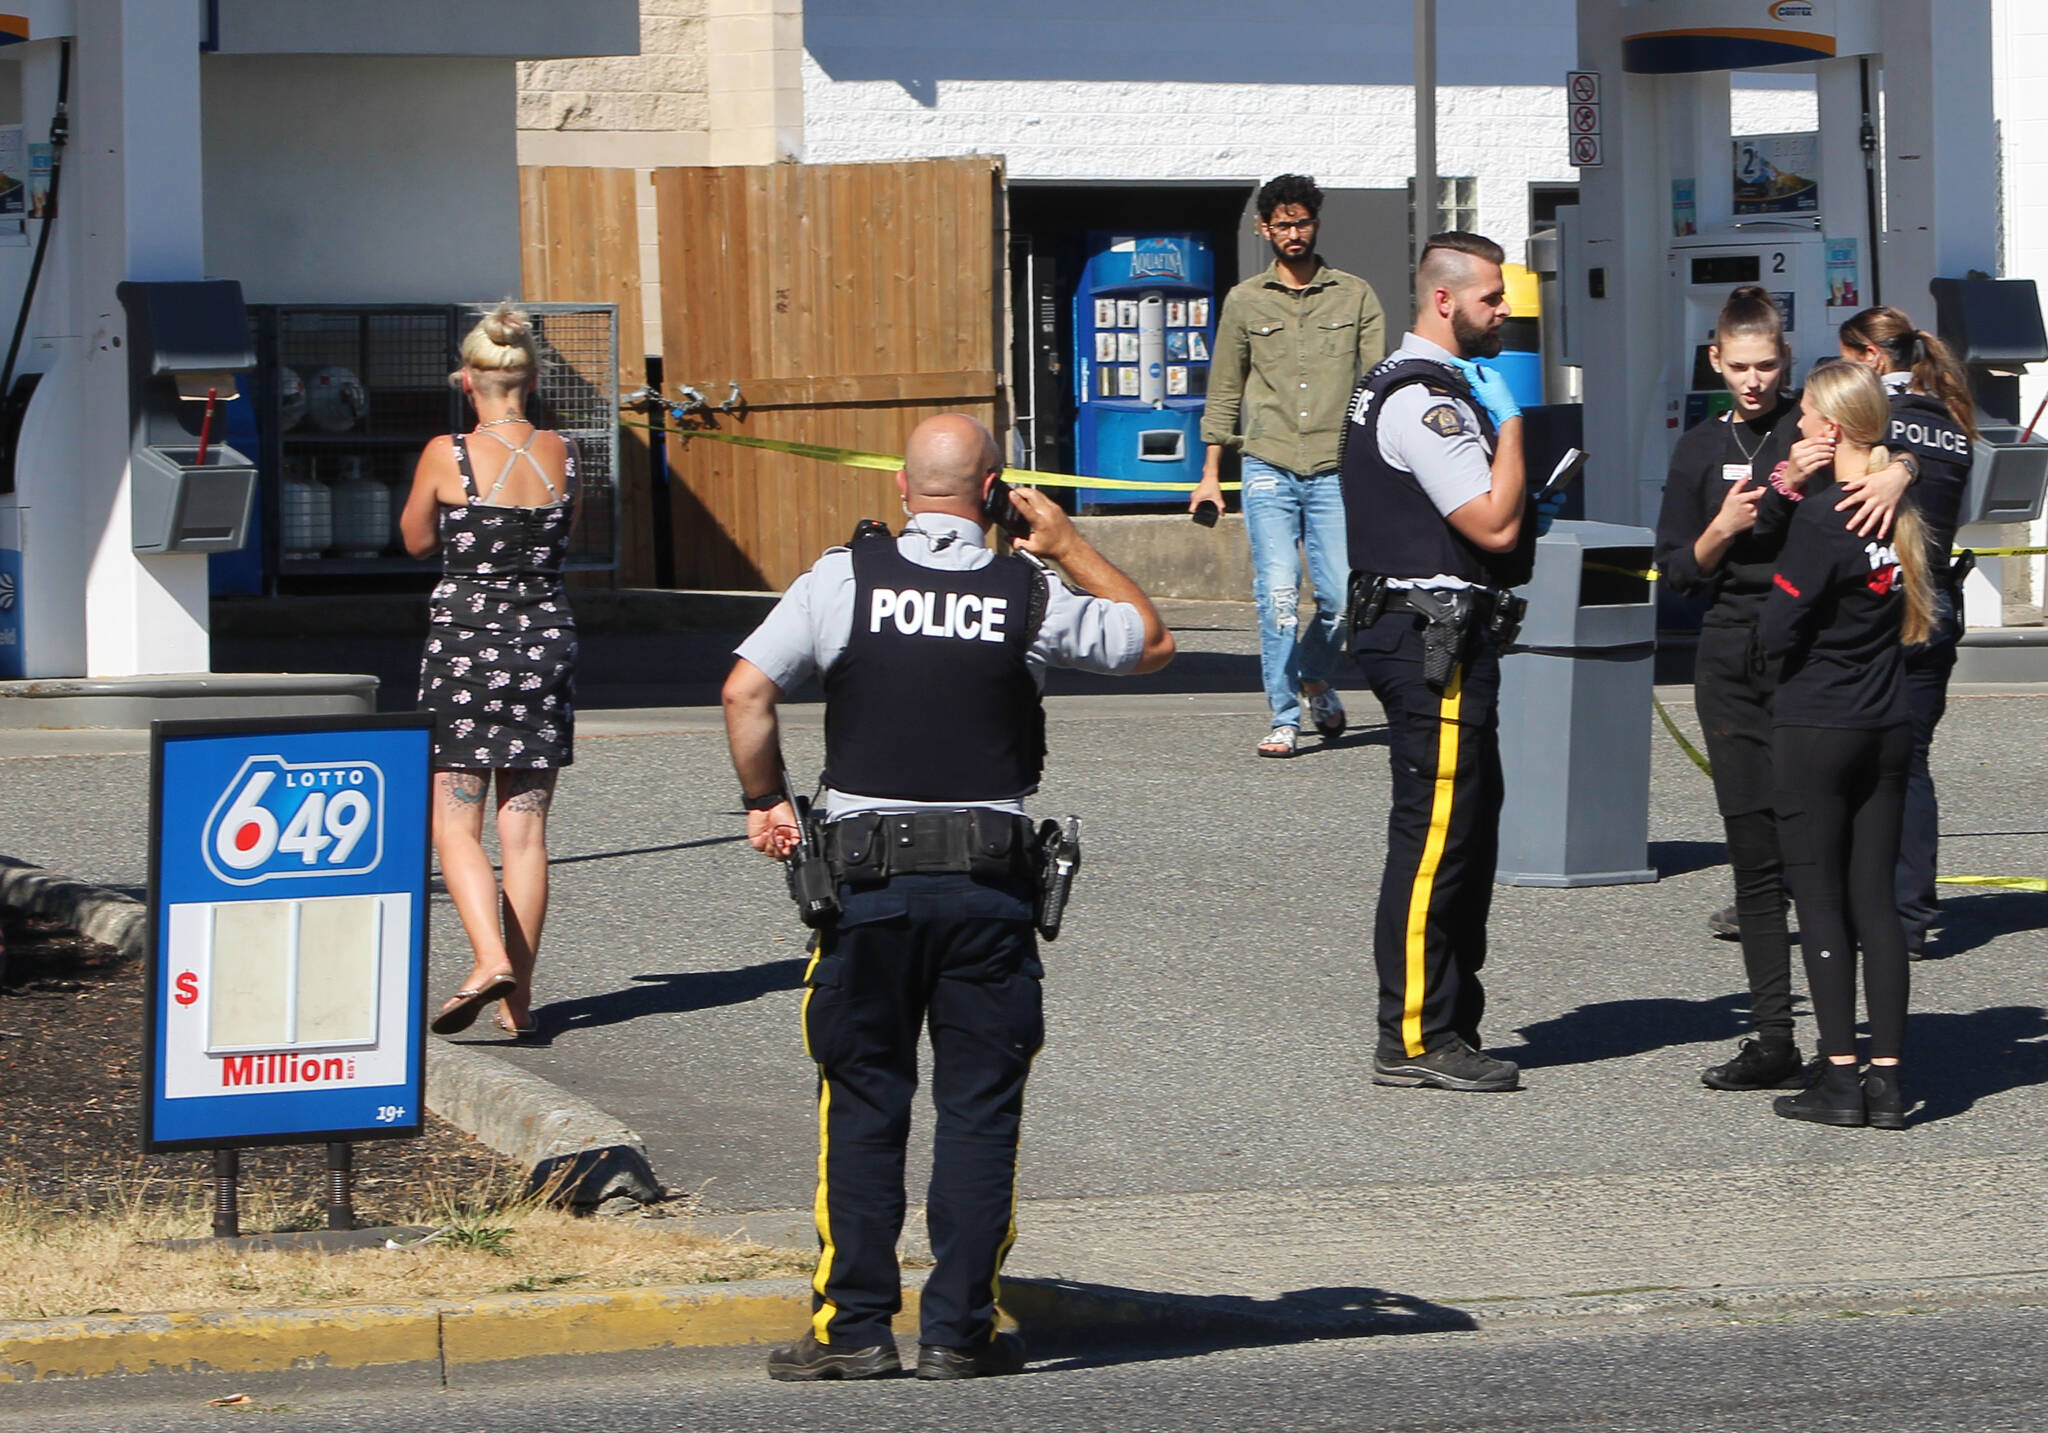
(1584, 86)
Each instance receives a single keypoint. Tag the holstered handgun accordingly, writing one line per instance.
(1058, 852)
(1447, 628)
(810, 877)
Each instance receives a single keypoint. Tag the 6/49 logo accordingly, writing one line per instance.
(279, 819)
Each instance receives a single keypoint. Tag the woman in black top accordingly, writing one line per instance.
(1709, 543)
(1832, 627)
(1934, 419)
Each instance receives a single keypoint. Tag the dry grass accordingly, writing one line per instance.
(60, 1263)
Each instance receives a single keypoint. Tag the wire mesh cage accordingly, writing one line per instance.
(353, 393)
(578, 395)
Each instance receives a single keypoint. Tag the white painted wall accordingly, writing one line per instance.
(2019, 52)
(1224, 93)
(356, 179)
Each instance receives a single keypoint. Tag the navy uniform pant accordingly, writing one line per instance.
(958, 955)
(1429, 936)
(1927, 672)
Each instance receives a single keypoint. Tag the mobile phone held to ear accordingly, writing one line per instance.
(997, 508)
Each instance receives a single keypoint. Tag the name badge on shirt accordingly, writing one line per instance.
(1734, 472)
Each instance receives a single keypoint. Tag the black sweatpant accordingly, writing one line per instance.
(1732, 695)
(1928, 666)
(1841, 797)
(960, 955)
(1443, 834)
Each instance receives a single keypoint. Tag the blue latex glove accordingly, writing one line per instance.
(1491, 389)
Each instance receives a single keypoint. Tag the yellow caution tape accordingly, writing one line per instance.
(2010, 883)
(1678, 736)
(1645, 574)
(2001, 551)
(887, 462)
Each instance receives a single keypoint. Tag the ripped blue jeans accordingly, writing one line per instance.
(1285, 515)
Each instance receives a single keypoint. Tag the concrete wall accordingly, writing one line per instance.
(345, 179)
(2020, 97)
(1226, 93)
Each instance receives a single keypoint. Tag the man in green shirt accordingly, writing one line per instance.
(1290, 346)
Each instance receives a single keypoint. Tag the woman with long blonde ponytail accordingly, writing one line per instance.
(1841, 607)
(1933, 420)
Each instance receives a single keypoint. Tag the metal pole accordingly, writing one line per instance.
(1427, 212)
(341, 1210)
(227, 1172)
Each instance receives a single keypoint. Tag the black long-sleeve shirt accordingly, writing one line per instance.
(1831, 622)
(1923, 427)
(1708, 457)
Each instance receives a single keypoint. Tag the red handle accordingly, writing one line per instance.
(206, 427)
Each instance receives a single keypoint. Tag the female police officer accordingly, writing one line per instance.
(932, 649)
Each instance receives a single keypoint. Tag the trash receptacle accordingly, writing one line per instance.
(1575, 713)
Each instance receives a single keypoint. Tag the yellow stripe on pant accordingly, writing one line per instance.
(821, 1211)
(1432, 857)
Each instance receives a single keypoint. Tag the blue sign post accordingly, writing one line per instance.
(288, 910)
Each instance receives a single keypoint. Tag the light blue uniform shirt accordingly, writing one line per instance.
(809, 628)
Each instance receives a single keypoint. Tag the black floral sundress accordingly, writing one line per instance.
(499, 671)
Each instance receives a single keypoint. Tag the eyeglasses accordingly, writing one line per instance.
(1291, 226)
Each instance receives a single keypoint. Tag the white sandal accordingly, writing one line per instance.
(1280, 740)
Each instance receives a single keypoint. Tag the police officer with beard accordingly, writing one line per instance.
(933, 651)
(1438, 531)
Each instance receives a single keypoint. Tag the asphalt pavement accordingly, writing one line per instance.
(1201, 1120)
(1968, 1371)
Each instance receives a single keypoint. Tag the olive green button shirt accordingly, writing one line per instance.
(1285, 363)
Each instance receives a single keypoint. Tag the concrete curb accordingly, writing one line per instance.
(1059, 1316)
(576, 1148)
(586, 1154)
(94, 911)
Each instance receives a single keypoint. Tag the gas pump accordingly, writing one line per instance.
(1144, 321)
(1668, 220)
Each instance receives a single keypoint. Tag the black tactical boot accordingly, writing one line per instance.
(1836, 1098)
(1004, 1354)
(1767, 1064)
(807, 1360)
(1883, 1099)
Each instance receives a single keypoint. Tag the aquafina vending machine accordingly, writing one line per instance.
(1144, 319)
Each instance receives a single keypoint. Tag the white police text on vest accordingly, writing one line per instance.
(1921, 435)
(963, 615)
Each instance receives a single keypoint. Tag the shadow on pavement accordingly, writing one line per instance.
(1954, 1060)
(1099, 1325)
(1680, 858)
(1968, 922)
(1616, 1029)
(669, 995)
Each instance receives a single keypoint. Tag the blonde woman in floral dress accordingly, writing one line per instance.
(498, 503)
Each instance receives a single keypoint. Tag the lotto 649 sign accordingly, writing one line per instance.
(288, 873)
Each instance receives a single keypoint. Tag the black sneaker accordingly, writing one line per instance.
(1451, 1066)
(1004, 1354)
(1836, 1098)
(1883, 1100)
(1759, 1065)
(807, 1360)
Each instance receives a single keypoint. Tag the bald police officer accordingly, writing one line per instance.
(1435, 501)
(933, 651)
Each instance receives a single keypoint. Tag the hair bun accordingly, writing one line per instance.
(506, 326)
(1750, 293)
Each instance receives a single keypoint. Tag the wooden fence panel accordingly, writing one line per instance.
(849, 302)
(580, 242)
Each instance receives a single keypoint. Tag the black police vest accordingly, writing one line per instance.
(1394, 529)
(933, 699)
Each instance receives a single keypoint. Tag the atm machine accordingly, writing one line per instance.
(1144, 321)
